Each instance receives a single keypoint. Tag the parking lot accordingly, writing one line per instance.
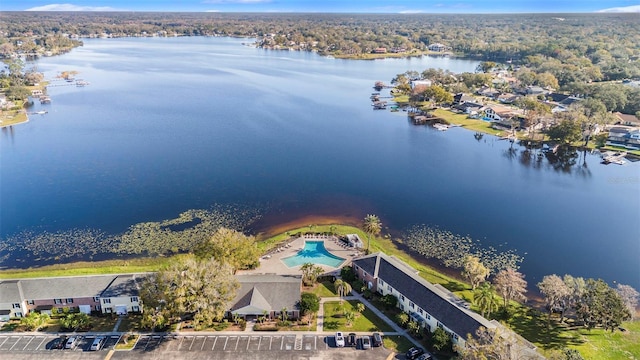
(193, 347)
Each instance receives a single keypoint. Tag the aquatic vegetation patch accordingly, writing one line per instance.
(451, 249)
(171, 236)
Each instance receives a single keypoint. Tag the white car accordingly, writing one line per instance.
(339, 339)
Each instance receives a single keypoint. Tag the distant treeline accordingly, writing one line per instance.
(604, 44)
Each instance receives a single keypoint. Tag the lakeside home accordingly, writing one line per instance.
(268, 294)
(100, 293)
(431, 306)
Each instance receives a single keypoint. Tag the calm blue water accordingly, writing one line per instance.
(174, 124)
(313, 252)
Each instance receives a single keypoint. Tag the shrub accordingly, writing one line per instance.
(389, 301)
(347, 274)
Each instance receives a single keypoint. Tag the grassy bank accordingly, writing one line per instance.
(91, 268)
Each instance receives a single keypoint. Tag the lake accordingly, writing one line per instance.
(170, 124)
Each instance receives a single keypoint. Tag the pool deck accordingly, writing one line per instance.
(272, 263)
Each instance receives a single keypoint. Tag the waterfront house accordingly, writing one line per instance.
(121, 296)
(267, 293)
(421, 83)
(626, 119)
(624, 136)
(437, 47)
(87, 294)
(380, 50)
(429, 305)
(11, 304)
(460, 98)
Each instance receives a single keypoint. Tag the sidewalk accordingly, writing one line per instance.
(355, 296)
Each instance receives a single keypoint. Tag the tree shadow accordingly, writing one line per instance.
(533, 326)
(331, 325)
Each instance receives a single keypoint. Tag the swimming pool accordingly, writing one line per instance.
(313, 252)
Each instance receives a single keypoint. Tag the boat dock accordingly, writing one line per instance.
(611, 157)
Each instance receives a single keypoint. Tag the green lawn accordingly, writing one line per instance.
(367, 321)
(127, 342)
(592, 345)
(92, 268)
(323, 289)
(397, 343)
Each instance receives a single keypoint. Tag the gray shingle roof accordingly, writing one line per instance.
(9, 292)
(65, 287)
(429, 298)
(272, 292)
(122, 285)
(367, 263)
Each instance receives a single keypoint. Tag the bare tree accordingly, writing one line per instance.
(629, 297)
(555, 292)
(511, 285)
(474, 271)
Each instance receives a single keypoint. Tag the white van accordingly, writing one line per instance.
(98, 343)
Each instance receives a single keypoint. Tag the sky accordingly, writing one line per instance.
(339, 6)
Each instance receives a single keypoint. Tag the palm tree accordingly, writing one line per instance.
(283, 313)
(342, 287)
(349, 317)
(360, 308)
(372, 226)
(483, 297)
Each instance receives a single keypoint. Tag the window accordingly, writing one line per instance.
(106, 301)
(135, 308)
(401, 297)
(69, 301)
(97, 307)
(401, 307)
(30, 302)
(440, 325)
(108, 310)
(420, 311)
(96, 299)
(389, 288)
(134, 299)
(57, 301)
(455, 336)
(16, 306)
(381, 282)
(428, 316)
(18, 314)
(364, 273)
(411, 305)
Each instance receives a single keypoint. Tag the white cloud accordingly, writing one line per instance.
(628, 9)
(411, 12)
(70, 7)
(212, 11)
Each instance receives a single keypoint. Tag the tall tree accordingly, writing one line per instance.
(511, 285)
(555, 291)
(372, 226)
(474, 271)
(484, 298)
(600, 305)
(629, 297)
(200, 288)
(343, 288)
(310, 273)
(567, 131)
(309, 303)
(230, 247)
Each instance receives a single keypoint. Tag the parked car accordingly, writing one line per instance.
(376, 340)
(366, 343)
(59, 343)
(98, 343)
(414, 353)
(339, 339)
(425, 356)
(72, 342)
(351, 340)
